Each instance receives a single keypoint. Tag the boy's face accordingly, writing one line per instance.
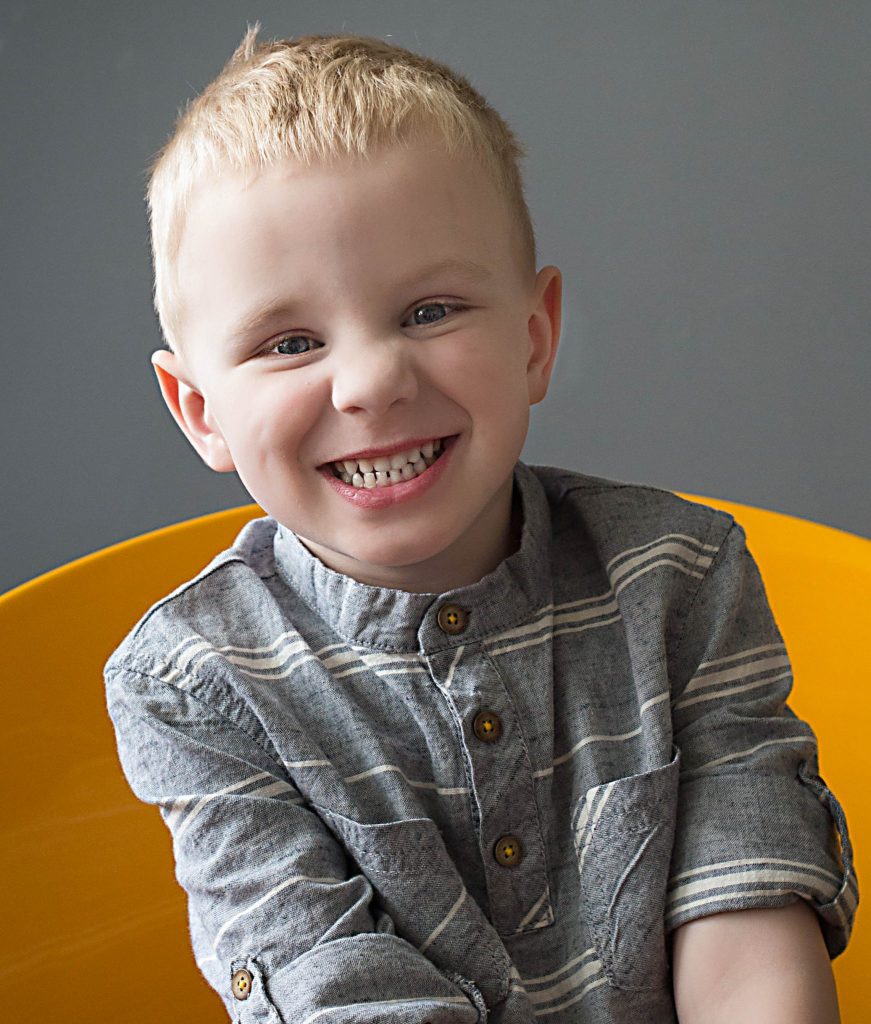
(407, 317)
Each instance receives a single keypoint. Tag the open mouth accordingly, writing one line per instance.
(389, 470)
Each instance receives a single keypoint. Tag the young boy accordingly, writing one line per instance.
(444, 737)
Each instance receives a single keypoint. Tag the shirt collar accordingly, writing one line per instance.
(396, 620)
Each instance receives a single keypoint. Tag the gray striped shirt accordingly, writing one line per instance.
(495, 803)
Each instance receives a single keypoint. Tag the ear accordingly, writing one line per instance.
(191, 411)
(544, 331)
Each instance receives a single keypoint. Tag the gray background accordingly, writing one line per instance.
(698, 170)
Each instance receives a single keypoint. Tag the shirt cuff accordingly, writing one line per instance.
(361, 978)
(748, 840)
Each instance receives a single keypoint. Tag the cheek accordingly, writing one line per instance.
(273, 418)
(483, 358)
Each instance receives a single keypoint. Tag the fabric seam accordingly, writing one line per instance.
(234, 725)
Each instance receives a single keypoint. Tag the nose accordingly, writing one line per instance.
(372, 374)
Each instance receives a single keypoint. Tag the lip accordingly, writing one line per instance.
(386, 497)
(374, 453)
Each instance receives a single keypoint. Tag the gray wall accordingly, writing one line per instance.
(698, 170)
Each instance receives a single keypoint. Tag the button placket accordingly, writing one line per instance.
(504, 801)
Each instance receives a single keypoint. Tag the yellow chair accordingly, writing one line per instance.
(95, 925)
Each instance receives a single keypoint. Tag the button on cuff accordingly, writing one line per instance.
(240, 983)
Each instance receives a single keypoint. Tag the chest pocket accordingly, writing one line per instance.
(623, 834)
(419, 886)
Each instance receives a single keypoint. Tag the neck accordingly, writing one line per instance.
(494, 536)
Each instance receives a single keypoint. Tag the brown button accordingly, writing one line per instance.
(487, 726)
(508, 851)
(452, 619)
(241, 984)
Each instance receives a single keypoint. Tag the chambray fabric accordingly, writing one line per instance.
(309, 742)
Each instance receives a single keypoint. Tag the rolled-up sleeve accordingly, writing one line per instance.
(756, 825)
(283, 926)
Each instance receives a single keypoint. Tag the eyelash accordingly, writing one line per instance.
(455, 307)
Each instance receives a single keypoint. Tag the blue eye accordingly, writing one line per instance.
(424, 315)
(428, 318)
(292, 341)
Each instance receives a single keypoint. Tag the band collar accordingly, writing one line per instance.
(396, 620)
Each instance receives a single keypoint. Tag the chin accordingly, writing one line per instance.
(391, 549)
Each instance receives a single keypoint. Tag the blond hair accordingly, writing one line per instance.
(313, 98)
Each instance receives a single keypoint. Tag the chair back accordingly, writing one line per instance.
(96, 928)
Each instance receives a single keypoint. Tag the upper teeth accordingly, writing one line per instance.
(387, 462)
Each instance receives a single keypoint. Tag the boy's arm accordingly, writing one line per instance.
(283, 924)
(757, 828)
(768, 966)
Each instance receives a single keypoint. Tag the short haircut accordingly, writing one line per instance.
(311, 99)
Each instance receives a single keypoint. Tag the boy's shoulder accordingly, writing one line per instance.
(231, 595)
(617, 516)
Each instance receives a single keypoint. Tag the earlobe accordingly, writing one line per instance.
(191, 412)
(544, 331)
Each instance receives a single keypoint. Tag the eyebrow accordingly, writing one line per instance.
(256, 319)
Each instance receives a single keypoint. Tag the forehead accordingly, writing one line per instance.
(416, 194)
